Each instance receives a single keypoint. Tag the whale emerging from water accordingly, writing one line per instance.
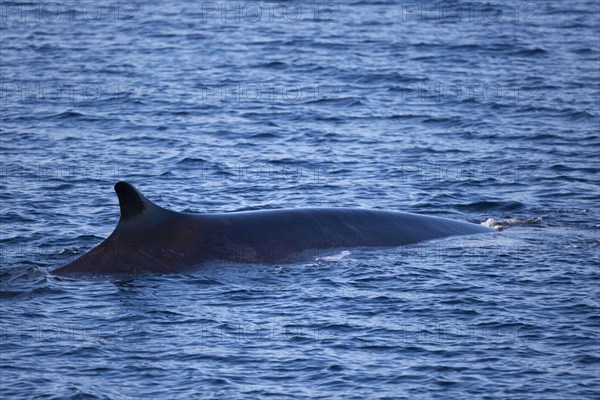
(151, 239)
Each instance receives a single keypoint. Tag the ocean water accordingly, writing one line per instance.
(488, 114)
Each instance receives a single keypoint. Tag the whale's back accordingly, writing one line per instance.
(339, 227)
(149, 238)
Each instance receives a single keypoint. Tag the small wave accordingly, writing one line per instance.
(22, 280)
(192, 160)
(491, 205)
(530, 52)
(584, 50)
(264, 135)
(67, 114)
(445, 121)
(343, 102)
(273, 65)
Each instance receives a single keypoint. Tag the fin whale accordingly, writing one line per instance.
(150, 239)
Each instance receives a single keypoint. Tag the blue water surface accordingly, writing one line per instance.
(489, 114)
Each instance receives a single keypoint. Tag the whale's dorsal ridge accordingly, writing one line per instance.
(133, 204)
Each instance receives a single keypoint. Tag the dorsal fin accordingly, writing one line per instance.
(133, 204)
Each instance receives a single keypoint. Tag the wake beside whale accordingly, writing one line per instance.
(151, 239)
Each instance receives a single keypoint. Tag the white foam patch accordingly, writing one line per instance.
(336, 257)
(499, 224)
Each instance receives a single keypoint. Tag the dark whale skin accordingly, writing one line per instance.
(150, 239)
